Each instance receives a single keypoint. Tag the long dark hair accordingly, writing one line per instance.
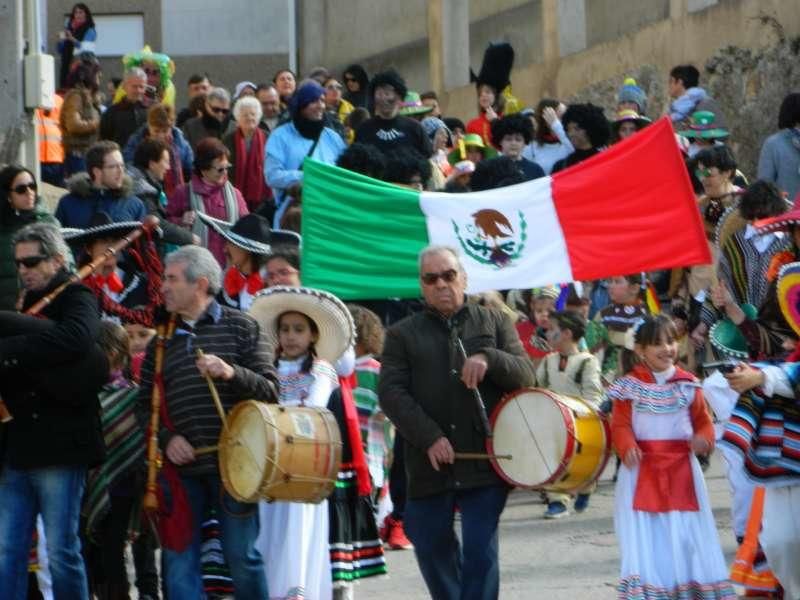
(89, 19)
(312, 351)
(7, 176)
(650, 332)
(83, 73)
(542, 128)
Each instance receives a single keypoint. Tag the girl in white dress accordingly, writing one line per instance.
(309, 330)
(668, 540)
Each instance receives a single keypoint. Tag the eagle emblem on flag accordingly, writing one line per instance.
(491, 239)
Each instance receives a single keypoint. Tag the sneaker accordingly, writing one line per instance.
(581, 502)
(556, 510)
(397, 539)
(385, 528)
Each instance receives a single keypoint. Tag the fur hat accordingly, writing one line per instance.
(496, 67)
(511, 124)
(590, 118)
(631, 92)
(391, 78)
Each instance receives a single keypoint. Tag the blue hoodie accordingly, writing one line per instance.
(683, 107)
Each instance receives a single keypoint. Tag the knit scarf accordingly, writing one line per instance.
(197, 204)
(249, 175)
(307, 128)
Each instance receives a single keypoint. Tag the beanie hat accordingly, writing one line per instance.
(431, 125)
(631, 92)
(308, 92)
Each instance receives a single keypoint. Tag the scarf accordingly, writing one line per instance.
(112, 282)
(309, 129)
(249, 172)
(196, 203)
(236, 281)
(358, 460)
(173, 177)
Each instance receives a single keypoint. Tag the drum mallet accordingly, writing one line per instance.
(487, 429)
(214, 395)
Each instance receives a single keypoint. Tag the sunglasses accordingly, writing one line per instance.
(448, 276)
(152, 72)
(24, 187)
(334, 86)
(30, 262)
(348, 78)
(220, 170)
(220, 111)
(703, 173)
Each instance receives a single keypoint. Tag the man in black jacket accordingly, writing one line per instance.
(126, 116)
(50, 374)
(427, 390)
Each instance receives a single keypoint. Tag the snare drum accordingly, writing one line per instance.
(556, 442)
(274, 452)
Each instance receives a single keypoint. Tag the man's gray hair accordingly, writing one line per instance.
(135, 73)
(50, 240)
(434, 249)
(247, 102)
(220, 94)
(199, 262)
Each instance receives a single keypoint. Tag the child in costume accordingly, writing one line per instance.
(569, 372)
(533, 332)
(662, 515)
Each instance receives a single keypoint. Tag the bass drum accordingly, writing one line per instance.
(556, 442)
(274, 452)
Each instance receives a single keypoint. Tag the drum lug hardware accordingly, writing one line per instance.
(290, 439)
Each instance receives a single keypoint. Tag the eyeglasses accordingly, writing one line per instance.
(115, 166)
(219, 110)
(152, 72)
(24, 187)
(349, 78)
(221, 169)
(284, 272)
(334, 86)
(30, 262)
(448, 276)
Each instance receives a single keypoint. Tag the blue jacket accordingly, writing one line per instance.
(179, 145)
(84, 200)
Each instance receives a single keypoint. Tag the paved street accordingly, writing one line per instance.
(574, 558)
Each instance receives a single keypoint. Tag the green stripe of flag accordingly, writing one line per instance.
(361, 237)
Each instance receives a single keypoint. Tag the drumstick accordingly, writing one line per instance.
(215, 395)
(487, 429)
(205, 450)
(477, 456)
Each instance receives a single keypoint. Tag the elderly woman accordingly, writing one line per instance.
(305, 136)
(161, 126)
(246, 146)
(80, 114)
(209, 192)
(19, 206)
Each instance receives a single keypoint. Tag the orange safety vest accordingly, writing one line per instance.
(50, 148)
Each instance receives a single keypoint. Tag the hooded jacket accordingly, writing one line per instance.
(76, 208)
(150, 192)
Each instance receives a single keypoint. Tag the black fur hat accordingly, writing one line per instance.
(590, 118)
(495, 173)
(388, 77)
(496, 67)
(515, 123)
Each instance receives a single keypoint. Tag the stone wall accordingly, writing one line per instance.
(749, 85)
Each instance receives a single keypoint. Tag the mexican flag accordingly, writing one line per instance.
(629, 209)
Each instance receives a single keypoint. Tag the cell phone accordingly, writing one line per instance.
(723, 366)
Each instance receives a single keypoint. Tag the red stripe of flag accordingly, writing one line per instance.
(631, 208)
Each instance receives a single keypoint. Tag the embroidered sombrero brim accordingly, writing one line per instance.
(727, 339)
(108, 230)
(278, 237)
(729, 223)
(333, 320)
(778, 223)
(788, 291)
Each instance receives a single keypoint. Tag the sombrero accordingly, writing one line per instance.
(780, 222)
(252, 233)
(789, 294)
(726, 337)
(412, 105)
(471, 139)
(333, 320)
(629, 114)
(100, 227)
(703, 124)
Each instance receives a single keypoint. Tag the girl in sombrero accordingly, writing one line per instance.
(309, 329)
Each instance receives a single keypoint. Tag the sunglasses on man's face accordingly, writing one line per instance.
(448, 276)
(219, 110)
(24, 187)
(30, 262)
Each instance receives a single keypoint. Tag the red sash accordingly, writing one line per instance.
(665, 477)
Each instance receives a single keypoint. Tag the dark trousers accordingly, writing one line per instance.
(397, 478)
(450, 571)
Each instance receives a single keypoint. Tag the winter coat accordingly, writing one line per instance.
(76, 208)
(150, 192)
(50, 378)
(121, 120)
(180, 147)
(421, 392)
(79, 121)
(10, 223)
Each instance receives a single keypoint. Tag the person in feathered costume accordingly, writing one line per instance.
(493, 86)
(159, 69)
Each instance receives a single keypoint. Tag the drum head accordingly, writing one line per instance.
(244, 450)
(530, 426)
